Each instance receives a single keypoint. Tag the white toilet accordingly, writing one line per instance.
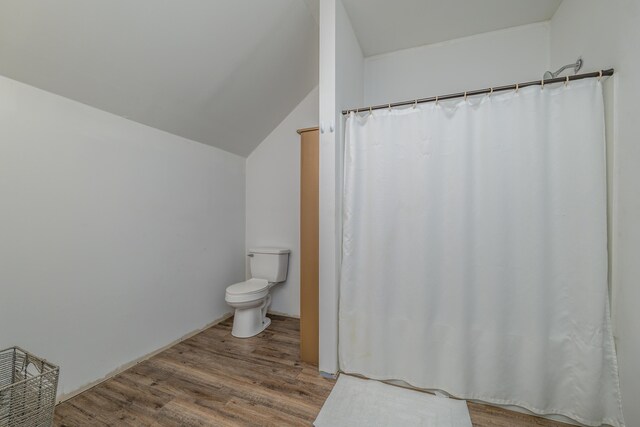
(251, 298)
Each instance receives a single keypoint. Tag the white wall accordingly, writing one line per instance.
(273, 197)
(606, 34)
(341, 84)
(172, 65)
(328, 239)
(117, 238)
(484, 60)
(349, 63)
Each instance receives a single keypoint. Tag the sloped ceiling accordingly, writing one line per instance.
(221, 72)
(384, 25)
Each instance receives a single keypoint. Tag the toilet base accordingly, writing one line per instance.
(266, 323)
(249, 322)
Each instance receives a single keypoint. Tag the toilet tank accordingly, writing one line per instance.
(269, 263)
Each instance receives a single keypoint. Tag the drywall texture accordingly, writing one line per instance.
(194, 68)
(606, 34)
(117, 238)
(387, 26)
(328, 239)
(341, 84)
(475, 62)
(349, 63)
(273, 197)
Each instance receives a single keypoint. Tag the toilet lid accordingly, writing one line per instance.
(251, 286)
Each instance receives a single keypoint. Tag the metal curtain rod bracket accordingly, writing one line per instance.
(600, 74)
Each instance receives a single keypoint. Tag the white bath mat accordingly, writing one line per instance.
(355, 402)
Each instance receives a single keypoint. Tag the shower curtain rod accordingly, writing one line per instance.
(598, 74)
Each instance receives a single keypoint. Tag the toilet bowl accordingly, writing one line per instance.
(251, 298)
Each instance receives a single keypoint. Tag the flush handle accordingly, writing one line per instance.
(250, 255)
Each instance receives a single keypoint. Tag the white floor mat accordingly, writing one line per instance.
(355, 402)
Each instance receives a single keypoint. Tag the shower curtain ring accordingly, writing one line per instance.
(566, 81)
(389, 106)
(437, 100)
(415, 104)
(542, 84)
(600, 75)
(371, 111)
(490, 92)
(517, 87)
(465, 95)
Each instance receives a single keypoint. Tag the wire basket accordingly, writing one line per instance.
(28, 386)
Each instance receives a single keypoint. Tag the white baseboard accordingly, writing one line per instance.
(329, 375)
(126, 366)
(277, 313)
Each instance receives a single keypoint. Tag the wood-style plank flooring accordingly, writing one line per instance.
(214, 379)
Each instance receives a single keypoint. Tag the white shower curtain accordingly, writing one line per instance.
(475, 251)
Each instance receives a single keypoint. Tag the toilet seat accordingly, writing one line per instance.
(250, 290)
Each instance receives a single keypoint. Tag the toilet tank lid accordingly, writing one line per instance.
(269, 251)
